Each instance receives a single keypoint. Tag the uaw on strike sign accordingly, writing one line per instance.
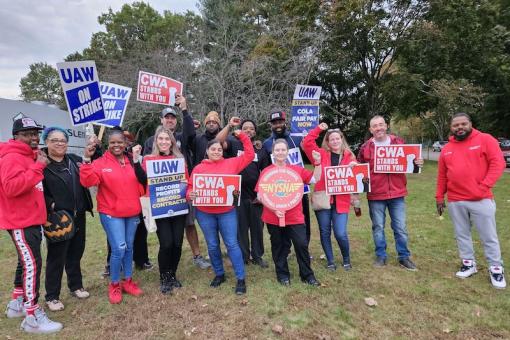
(217, 190)
(154, 88)
(115, 100)
(344, 179)
(397, 158)
(167, 187)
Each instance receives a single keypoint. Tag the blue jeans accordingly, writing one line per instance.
(397, 209)
(121, 235)
(225, 224)
(328, 218)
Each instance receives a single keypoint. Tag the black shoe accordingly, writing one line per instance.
(217, 281)
(284, 282)
(240, 287)
(260, 262)
(146, 266)
(312, 281)
(165, 284)
(380, 262)
(106, 272)
(407, 264)
(174, 282)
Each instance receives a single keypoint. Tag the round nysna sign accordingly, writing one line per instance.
(280, 189)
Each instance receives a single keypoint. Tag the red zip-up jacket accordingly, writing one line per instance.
(382, 186)
(229, 166)
(119, 191)
(21, 191)
(468, 169)
(343, 202)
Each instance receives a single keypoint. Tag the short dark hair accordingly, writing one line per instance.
(212, 142)
(249, 121)
(461, 114)
(116, 130)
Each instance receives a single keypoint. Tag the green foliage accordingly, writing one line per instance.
(42, 83)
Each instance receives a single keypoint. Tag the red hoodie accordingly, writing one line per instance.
(229, 166)
(382, 186)
(468, 169)
(119, 191)
(343, 201)
(21, 190)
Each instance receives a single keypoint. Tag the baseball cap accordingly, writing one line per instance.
(168, 110)
(23, 124)
(277, 115)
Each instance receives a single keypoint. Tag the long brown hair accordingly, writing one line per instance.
(344, 147)
(174, 149)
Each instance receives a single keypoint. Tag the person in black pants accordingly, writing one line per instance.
(63, 191)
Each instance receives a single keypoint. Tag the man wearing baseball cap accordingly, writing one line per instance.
(22, 212)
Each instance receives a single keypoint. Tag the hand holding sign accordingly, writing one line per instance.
(180, 101)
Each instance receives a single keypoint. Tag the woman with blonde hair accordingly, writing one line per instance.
(334, 151)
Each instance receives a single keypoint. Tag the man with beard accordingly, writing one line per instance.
(249, 213)
(22, 212)
(469, 166)
(279, 130)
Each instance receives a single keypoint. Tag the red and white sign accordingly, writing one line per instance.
(344, 179)
(217, 190)
(280, 189)
(397, 159)
(154, 88)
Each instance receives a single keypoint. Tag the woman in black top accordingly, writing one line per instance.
(63, 191)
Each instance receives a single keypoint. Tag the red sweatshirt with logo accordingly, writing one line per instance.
(21, 191)
(468, 169)
(229, 166)
(119, 191)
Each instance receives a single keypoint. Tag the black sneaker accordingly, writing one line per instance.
(312, 281)
(146, 266)
(165, 285)
(284, 281)
(174, 282)
(217, 281)
(260, 262)
(407, 264)
(106, 272)
(240, 287)
(331, 267)
(347, 266)
(380, 262)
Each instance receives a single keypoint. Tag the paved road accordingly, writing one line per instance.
(434, 156)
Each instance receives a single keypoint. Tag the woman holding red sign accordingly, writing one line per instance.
(288, 227)
(215, 220)
(170, 230)
(334, 211)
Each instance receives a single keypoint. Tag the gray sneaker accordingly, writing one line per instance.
(407, 264)
(40, 323)
(380, 262)
(15, 308)
(200, 262)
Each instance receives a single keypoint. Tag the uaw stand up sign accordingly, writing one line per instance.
(280, 189)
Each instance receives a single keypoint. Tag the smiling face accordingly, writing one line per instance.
(164, 143)
(461, 127)
(117, 144)
(335, 142)
(212, 126)
(280, 152)
(378, 128)
(169, 122)
(249, 129)
(29, 137)
(215, 152)
(278, 126)
(57, 143)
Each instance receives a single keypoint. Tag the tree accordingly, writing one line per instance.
(42, 83)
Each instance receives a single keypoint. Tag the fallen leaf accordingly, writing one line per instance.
(244, 302)
(194, 297)
(205, 305)
(278, 329)
(187, 333)
(322, 257)
(447, 330)
(370, 301)
(74, 312)
(193, 330)
(323, 337)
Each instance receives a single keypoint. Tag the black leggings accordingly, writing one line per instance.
(170, 234)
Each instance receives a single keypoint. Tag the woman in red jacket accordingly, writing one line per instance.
(118, 204)
(170, 230)
(334, 151)
(223, 220)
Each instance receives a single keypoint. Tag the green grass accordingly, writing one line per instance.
(430, 303)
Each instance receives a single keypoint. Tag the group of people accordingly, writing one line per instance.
(36, 182)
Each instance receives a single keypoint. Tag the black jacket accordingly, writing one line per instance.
(60, 192)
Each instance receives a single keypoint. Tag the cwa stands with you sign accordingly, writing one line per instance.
(217, 190)
(397, 158)
(157, 89)
(344, 179)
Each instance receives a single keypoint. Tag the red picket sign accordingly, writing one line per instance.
(344, 179)
(217, 190)
(154, 88)
(397, 158)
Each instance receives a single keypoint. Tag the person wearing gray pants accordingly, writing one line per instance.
(469, 166)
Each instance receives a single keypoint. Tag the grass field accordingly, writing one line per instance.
(429, 303)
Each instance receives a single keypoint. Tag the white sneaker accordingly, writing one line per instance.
(468, 268)
(40, 323)
(15, 308)
(497, 275)
(55, 305)
(80, 293)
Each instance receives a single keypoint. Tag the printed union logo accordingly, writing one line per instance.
(281, 188)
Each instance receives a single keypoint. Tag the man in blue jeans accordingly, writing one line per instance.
(387, 192)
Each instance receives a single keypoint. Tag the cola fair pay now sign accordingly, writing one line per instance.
(397, 158)
(217, 190)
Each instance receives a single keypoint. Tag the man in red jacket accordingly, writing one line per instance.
(22, 212)
(387, 192)
(469, 166)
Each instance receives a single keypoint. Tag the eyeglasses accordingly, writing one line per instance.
(58, 141)
(29, 133)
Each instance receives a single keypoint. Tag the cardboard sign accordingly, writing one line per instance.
(305, 109)
(295, 158)
(154, 88)
(397, 158)
(167, 184)
(115, 100)
(344, 179)
(217, 190)
(280, 189)
(80, 83)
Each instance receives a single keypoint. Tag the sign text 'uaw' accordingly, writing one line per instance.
(115, 100)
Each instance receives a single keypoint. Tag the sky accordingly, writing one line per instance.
(49, 30)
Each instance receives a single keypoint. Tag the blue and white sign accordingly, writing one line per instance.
(295, 158)
(115, 100)
(167, 184)
(80, 83)
(305, 109)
